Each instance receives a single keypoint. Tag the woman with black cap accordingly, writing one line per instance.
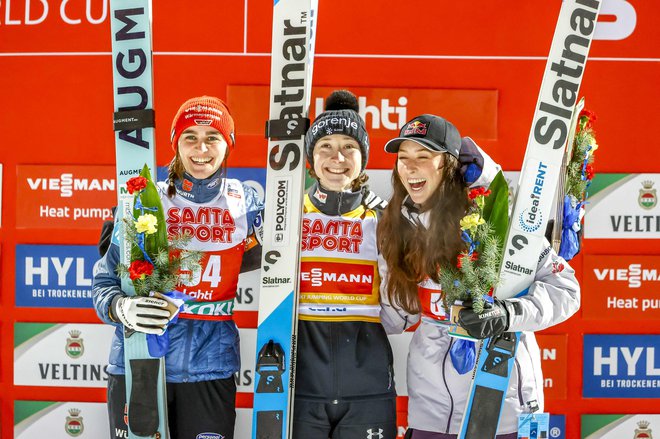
(420, 231)
(344, 373)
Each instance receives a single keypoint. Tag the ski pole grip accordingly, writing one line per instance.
(286, 129)
(131, 120)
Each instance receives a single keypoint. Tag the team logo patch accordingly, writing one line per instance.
(74, 424)
(643, 432)
(647, 196)
(213, 183)
(233, 192)
(187, 185)
(203, 122)
(74, 345)
(557, 267)
(322, 197)
(416, 127)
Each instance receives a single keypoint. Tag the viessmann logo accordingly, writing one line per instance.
(66, 184)
(318, 276)
(634, 274)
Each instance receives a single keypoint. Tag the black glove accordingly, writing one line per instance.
(493, 321)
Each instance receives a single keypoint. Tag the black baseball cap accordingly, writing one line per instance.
(432, 132)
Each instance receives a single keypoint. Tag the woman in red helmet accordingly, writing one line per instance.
(203, 355)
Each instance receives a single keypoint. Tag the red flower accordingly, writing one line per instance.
(477, 192)
(136, 184)
(139, 269)
(590, 117)
(589, 172)
(473, 257)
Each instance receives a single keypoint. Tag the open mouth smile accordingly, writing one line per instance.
(416, 184)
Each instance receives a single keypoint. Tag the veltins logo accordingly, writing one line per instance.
(74, 345)
(647, 198)
(643, 432)
(74, 424)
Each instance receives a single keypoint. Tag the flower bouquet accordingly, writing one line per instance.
(579, 173)
(483, 230)
(155, 262)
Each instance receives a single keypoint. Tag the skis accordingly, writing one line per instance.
(294, 23)
(533, 204)
(134, 141)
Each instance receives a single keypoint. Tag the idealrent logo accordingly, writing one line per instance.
(66, 184)
(531, 218)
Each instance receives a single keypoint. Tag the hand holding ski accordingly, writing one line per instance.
(143, 314)
(491, 322)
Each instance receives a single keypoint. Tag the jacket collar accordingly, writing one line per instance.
(334, 203)
(412, 213)
(199, 191)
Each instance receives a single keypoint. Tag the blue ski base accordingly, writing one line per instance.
(274, 382)
(491, 381)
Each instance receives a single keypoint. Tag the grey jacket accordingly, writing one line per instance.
(438, 393)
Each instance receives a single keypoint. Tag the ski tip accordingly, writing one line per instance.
(342, 100)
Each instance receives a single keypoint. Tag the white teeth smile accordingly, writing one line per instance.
(337, 171)
(199, 161)
(416, 184)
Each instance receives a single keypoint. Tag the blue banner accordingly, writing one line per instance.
(55, 276)
(557, 427)
(621, 366)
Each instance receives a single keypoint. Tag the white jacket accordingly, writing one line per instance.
(438, 393)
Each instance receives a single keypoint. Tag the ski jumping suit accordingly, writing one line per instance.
(438, 393)
(223, 216)
(344, 376)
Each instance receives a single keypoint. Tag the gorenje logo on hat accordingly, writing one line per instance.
(416, 127)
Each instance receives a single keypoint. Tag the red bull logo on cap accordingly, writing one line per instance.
(415, 127)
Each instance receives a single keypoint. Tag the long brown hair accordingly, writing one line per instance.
(413, 254)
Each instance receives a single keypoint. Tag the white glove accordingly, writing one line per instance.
(144, 314)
